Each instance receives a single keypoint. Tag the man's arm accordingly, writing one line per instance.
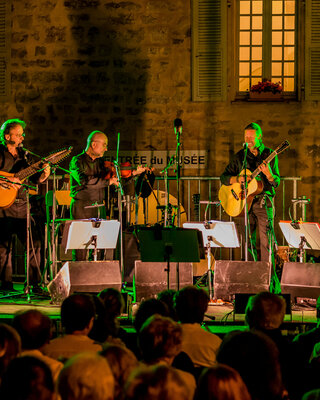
(232, 171)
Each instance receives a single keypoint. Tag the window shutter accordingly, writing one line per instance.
(312, 79)
(209, 45)
(5, 48)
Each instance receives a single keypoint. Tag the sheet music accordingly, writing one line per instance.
(310, 230)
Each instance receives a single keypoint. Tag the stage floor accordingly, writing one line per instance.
(220, 317)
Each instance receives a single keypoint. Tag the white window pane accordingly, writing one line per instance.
(288, 85)
(257, 37)
(288, 53)
(289, 37)
(244, 38)
(256, 53)
(256, 69)
(244, 84)
(276, 53)
(244, 23)
(276, 68)
(244, 53)
(289, 7)
(257, 7)
(288, 69)
(277, 7)
(244, 69)
(289, 22)
(276, 22)
(257, 22)
(276, 38)
(245, 7)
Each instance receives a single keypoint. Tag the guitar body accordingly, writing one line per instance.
(232, 196)
(8, 193)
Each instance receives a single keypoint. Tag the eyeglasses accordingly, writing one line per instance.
(18, 135)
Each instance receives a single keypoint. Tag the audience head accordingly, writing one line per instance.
(122, 362)
(10, 346)
(265, 311)
(159, 382)
(113, 301)
(256, 358)
(33, 327)
(77, 313)
(148, 308)
(191, 303)
(159, 338)
(27, 378)
(86, 376)
(221, 382)
(167, 297)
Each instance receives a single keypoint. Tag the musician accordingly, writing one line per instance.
(88, 182)
(13, 220)
(261, 211)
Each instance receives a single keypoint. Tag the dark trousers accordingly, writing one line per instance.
(9, 227)
(78, 210)
(260, 217)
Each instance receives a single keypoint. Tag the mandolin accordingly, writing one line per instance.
(232, 196)
(8, 193)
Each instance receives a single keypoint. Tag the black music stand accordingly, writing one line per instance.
(90, 234)
(162, 244)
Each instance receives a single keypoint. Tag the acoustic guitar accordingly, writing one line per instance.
(8, 193)
(232, 196)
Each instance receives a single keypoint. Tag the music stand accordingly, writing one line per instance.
(90, 234)
(215, 234)
(164, 244)
(301, 235)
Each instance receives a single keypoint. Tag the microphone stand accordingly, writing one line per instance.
(245, 187)
(178, 170)
(166, 184)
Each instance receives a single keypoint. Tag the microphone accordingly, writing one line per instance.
(245, 145)
(177, 123)
(26, 151)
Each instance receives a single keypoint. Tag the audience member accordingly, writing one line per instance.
(34, 329)
(27, 378)
(159, 382)
(256, 357)
(221, 382)
(202, 346)
(122, 362)
(159, 341)
(312, 395)
(167, 297)
(265, 312)
(86, 376)
(77, 316)
(10, 346)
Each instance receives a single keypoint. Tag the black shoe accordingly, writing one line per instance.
(7, 287)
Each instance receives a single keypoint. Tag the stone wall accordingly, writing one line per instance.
(125, 66)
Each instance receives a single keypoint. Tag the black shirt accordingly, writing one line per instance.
(236, 166)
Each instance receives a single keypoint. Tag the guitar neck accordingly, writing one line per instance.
(29, 171)
(256, 172)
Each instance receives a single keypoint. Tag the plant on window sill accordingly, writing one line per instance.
(266, 91)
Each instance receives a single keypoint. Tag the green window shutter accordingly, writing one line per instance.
(209, 45)
(312, 57)
(5, 49)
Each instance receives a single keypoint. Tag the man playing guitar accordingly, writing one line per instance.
(261, 211)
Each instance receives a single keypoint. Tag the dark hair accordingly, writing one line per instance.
(167, 297)
(191, 303)
(6, 126)
(10, 345)
(221, 382)
(33, 327)
(77, 311)
(256, 357)
(255, 127)
(27, 378)
(159, 337)
(265, 310)
(113, 301)
(146, 309)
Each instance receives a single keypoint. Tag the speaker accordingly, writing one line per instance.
(301, 279)
(232, 277)
(84, 276)
(150, 278)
